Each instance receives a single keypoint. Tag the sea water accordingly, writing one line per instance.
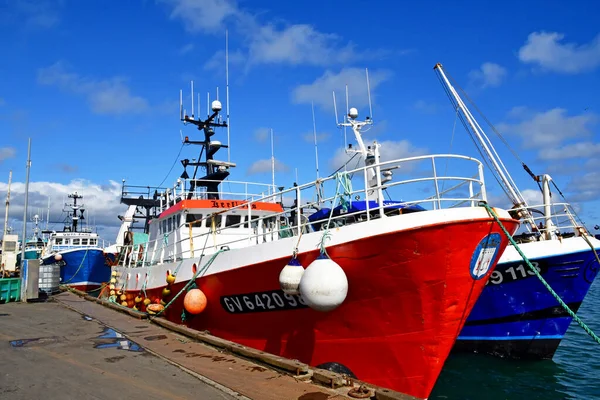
(573, 373)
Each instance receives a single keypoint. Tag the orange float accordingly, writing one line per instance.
(194, 301)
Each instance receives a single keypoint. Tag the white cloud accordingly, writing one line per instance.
(262, 134)
(546, 50)
(102, 203)
(6, 153)
(33, 14)
(108, 96)
(390, 150)
(266, 42)
(585, 187)
(550, 128)
(202, 16)
(320, 91)
(310, 137)
(217, 61)
(488, 75)
(533, 197)
(297, 44)
(425, 107)
(186, 49)
(262, 166)
(574, 150)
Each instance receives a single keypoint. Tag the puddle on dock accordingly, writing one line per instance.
(4, 315)
(34, 341)
(111, 339)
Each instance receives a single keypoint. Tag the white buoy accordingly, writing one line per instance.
(290, 276)
(324, 284)
(57, 257)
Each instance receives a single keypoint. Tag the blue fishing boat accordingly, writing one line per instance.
(517, 315)
(78, 251)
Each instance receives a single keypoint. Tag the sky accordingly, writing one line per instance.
(95, 86)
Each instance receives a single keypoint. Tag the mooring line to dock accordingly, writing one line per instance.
(537, 273)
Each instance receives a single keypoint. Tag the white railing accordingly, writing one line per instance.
(232, 190)
(448, 191)
(563, 219)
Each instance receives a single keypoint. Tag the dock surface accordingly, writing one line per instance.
(73, 348)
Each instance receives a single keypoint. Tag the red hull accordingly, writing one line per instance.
(409, 295)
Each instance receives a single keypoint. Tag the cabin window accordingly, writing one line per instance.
(178, 220)
(10, 246)
(164, 225)
(58, 241)
(92, 242)
(84, 242)
(75, 242)
(231, 220)
(169, 224)
(194, 219)
(66, 240)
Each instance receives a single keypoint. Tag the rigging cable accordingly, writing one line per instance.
(172, 166)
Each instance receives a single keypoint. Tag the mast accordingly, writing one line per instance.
(506, 181)
(272, 161)
(26, 200)
(216, 171)
(75, 207)
(7, 204)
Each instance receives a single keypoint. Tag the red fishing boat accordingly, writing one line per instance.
(376, 288)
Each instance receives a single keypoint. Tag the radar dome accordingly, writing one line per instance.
(353, 113)
(216, 106)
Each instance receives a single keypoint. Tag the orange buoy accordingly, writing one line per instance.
(147, 301)
(138, 299)
(166, 291)
(194, 301)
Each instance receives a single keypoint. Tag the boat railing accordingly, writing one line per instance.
(232, 190)
(448, 191)
(563, 219)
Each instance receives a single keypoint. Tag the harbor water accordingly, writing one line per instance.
(571, 374)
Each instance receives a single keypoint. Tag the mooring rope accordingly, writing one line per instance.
(191, 281)
(537, 273)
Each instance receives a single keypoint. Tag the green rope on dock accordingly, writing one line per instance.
(536, 272)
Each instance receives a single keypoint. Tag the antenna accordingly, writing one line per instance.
(337, 123)
(181, 105)
(227, 91)
(192, 99)
(272, 160)
(369, 94)
(207, 104)
(198, 105)
(217, 93)
(296, 174)
(315, 136)
(347, 112)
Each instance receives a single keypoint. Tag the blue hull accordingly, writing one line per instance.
(517, 317)
(82, 268)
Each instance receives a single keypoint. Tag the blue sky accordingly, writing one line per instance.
(95, 85)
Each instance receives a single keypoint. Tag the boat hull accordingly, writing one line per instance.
(516, 316)
(83, 269)
(410, 292)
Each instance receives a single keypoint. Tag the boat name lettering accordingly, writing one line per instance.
(229, 204)
(273, 300)
(513, 272)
